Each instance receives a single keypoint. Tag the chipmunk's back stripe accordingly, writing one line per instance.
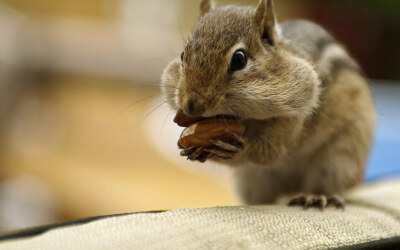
(309, 37)
(333, 60)
(322, 44)
(339, 64)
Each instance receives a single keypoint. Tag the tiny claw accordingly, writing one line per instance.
(221, 153)
(309, 202)
(337, 201)
(196, 153)
(187, 151)
(235, 137)
(224, 145)
(321, 202)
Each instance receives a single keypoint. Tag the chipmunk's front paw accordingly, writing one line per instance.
(219, 150)
(321, 201)
(195, 154)
(223, 150)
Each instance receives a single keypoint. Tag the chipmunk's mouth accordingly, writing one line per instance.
(184, 121)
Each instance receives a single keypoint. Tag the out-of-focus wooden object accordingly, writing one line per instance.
(71, 134)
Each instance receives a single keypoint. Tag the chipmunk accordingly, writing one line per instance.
(304, 101)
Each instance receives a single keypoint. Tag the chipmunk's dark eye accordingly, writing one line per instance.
(182, 54)
(239, 60)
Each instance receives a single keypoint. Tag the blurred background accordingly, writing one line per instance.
(83, 131)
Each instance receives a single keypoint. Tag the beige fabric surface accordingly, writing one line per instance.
(374, 213)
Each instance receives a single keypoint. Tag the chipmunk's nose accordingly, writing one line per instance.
(194, 108)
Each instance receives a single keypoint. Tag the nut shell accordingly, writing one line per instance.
(200, 133)
(184, 121)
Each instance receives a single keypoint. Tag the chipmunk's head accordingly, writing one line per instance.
(235, 62)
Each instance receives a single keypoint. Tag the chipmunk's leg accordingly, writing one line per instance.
(260, 185)
(336, 167)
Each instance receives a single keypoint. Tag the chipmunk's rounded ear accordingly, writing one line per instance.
(265, 19)
(206, 6)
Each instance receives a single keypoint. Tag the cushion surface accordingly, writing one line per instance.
(373, 214)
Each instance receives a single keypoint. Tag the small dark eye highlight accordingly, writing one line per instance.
(182, 55)
(239, 60)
